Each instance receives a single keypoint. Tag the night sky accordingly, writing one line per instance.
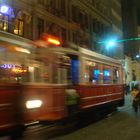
(134, 4)
(138, 10)
(138, 14)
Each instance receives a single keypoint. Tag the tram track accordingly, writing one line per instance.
(42, 130)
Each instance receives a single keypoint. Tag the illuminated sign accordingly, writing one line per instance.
(18, 70)
(14, 68)
(7, 66)
(51, 39)
(5, 9)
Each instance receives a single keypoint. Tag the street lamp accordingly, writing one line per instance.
(107, 46)
(110, 43)
(137, 56)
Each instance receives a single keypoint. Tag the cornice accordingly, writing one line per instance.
(52, 18)
(93, 11)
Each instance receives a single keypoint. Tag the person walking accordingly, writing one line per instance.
(127, 89)
(72, 101)
(135, 98)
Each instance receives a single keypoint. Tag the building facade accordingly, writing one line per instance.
(79, 23)
(130, 25)
(131, 45)
(117, 26)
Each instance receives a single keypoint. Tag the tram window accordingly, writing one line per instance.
(37, 74)
(46, 74)
(115, 75)
(4, 73)
(12, 72)
(40, 72)
(96, 75)
(106, 76)
(106, 73)
(93, 72)
(61, 72)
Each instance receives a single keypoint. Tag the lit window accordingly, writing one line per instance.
(3, 22)
(19, 25)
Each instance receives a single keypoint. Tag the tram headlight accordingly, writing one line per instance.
(33, 104)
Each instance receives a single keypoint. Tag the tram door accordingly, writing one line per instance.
(68, 70)
(75, 71)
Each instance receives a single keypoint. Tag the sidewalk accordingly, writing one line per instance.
(128, 107)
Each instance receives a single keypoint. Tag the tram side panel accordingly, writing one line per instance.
(96, 95)
(52, 103)
(9, 111)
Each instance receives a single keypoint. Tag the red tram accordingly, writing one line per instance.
(34, 80)
(14, 51)
(97, 79)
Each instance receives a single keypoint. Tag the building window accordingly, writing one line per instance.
(42, 2)
(40, 27)
(81, 18)
(74, 13)
(53, 4)
(63, 7)
(86, 21)
(19, 25)
(63, 34)
(48, 2)
(74, 38)
(4, 19)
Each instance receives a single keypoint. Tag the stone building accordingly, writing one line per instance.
(76, 22)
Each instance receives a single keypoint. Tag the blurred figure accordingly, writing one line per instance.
(72, 101)
(135, 98)
(127, 89)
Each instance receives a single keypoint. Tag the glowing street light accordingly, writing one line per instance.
(121, 40)
(108, 45)
(4, 9)
(111, 43)
(137, 56)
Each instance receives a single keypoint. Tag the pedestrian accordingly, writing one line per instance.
(127, 89)
(72, 101)
(136, 98)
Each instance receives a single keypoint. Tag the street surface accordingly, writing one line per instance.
(121, 125)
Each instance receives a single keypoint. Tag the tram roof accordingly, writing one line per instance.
(9, 38)
(98, 56)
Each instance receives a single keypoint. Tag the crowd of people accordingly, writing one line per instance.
(134, 89)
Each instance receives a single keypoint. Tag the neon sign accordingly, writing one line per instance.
(14, 68)
(7, 66)
(53, 41)
(18, 70)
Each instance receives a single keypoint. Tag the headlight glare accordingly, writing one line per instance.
(33, 104)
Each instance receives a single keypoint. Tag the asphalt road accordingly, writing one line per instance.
(121, 125)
